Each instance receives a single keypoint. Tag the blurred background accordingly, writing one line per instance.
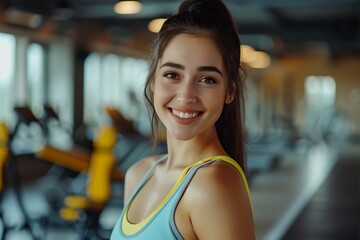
(73, 119)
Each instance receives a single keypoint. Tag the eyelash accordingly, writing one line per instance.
(205, 80)
(171, 75)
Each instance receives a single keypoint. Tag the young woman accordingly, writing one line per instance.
(198, 190)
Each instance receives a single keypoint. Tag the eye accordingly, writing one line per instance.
(208, 80)
(171, 75)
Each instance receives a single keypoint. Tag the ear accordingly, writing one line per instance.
(230, 94)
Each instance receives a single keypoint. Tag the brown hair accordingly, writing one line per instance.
(210, 18)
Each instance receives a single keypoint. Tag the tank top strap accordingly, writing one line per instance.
(189, 176)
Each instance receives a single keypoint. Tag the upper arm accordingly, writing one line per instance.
(221, 207)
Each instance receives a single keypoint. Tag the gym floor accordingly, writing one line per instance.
(311, 194)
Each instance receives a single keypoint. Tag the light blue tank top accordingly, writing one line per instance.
(160, 225)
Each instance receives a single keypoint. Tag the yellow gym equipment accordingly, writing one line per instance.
(98, 189)
(75, 159)
(4, 152)
(8, 169)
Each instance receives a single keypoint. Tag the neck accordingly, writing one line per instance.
(183, 153)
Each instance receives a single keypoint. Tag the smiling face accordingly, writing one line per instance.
(190, 87)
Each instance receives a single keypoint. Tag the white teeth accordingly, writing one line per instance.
(185, 115)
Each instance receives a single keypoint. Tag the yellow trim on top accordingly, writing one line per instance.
(235, 164)
(132, 228)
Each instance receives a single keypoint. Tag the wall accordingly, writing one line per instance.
(282, 86)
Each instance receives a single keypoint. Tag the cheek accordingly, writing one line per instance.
(162, 95)
(215, 104)
(217, 107)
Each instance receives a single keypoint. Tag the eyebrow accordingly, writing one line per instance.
(209, 69)
(201, 69)
(174, 65)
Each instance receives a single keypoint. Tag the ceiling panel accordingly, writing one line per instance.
(333, 22)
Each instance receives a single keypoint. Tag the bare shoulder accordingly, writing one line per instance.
(136, 172)
(220, 180)
(219, 204)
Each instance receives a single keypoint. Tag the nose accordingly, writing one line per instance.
(186, 93)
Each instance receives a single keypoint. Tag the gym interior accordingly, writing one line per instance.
(73, 118)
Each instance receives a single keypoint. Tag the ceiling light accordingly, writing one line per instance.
(253, 58)
(262, 60)
(127, 7)
(156, 24)
(23, 18)
(247, 53)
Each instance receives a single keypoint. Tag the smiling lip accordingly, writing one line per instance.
(184, 116)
